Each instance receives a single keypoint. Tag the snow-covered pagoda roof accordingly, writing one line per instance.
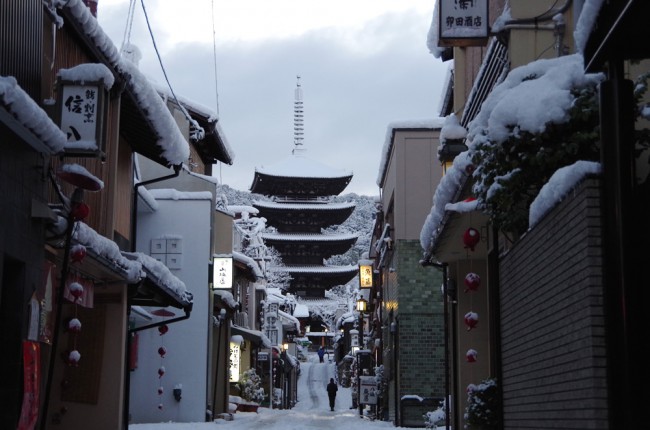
(297, 237)
(304, 206)
(300, 176)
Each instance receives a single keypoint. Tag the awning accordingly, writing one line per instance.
(256, 337)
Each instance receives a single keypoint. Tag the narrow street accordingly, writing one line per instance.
(310, 413)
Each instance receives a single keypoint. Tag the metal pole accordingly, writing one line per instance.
(361, 347)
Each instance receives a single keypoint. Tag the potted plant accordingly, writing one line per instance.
(483, 403)
(251, 391)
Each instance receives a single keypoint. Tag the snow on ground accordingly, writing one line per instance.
(311, 412)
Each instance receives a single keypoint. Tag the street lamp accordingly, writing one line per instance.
(362, 307)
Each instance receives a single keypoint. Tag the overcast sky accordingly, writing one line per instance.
(363, 64)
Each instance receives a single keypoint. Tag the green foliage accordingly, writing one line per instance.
(483, 405)
(251, 387)
(511, 173)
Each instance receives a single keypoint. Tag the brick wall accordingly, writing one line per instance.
(552, 320)
(421, 323)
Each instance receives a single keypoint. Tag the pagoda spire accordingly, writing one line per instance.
(298, 127)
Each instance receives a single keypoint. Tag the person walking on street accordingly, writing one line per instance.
(321, 353)
(331, 392)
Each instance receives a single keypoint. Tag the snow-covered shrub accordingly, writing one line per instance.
(542, 117)
(483, 405)
(251, 387)
(435, 418)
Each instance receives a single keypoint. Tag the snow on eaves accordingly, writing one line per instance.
(305, 206)
(131, 263)
(425, 124)
(174, 147)
(300, 166)
(298, 237)
(29, 114)
(249, 262)
(585, 23)
(173, 194)
(88, 72)
(317, 269)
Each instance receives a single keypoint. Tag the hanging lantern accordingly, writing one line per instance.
(73, 358)
(161, 371)
(79, 211)
(472, 281)
(74, 325)
(162, 351)
(471, 238)
(76, 289)
(163, 329)
(160, 406)
(470, 356)
(471, 320)
(77, 253)
(160, 390)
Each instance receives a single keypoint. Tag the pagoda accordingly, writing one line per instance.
(301, 191)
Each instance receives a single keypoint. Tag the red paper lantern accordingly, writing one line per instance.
(161, 371)
(76, 289)
(79, 211)
(472, 281)
(471, 238)
(77, 253)
(163, 329)
(162, 351)
(471, 320)
(74, 325)
(470, 356)
(73, 358)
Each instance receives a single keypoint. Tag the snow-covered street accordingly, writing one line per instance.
(311, 412)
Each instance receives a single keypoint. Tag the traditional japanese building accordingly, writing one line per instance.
(301, 207)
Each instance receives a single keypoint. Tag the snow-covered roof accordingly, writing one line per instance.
(298, 237)
(301, 311)
(173, 194)
(300, 166)
(249, 262)
(319, 269)
(424, 124)
(30, 115)
(173, 146)
(288, 318)
(304, 206)
(238, 209)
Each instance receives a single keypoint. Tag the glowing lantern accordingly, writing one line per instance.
(471, 238)
(163, 329)
(77, 253)
(470, 356)
(472, 281)
(471, 320)
(162, 351)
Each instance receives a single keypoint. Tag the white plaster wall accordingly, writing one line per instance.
(187, 341)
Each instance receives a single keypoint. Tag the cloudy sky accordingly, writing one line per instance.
(363, 64)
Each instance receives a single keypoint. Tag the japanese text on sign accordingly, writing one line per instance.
(463, 19)
(79, 115)
(222, 272)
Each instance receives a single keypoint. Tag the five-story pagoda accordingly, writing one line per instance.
(301, 190)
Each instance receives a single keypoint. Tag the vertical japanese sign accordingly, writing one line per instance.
(365, 276)
(80, 115)
(270, 323)
(31, 384)
(368, 390)
(222, 272)
(463, 19)
(235, 355)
